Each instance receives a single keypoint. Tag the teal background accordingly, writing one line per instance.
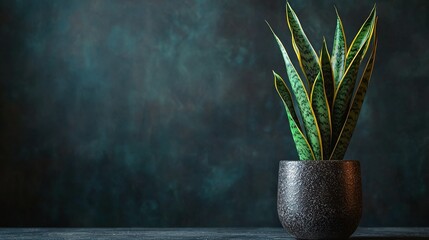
(162, 113)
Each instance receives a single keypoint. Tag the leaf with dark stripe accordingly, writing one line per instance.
(339, 49)
(361, 38)
(343, 141)
(328, 79)
(303, 101)
(302, 146)
(320, 106)
(344, 91)
(307, 57)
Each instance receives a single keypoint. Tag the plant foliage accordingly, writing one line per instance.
(329, 98)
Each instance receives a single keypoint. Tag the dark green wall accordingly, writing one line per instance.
(163, 112)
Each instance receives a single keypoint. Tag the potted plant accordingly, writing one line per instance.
(319, 196)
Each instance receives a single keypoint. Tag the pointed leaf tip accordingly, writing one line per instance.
(336, 10)
(307, 56)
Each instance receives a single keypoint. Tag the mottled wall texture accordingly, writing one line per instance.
(162, 113)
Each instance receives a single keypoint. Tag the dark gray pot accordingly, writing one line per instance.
(320, 199)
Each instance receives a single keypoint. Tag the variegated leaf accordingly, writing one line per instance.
(307, 57)
(339, 49)
(303, 101)
(302, 146)
(328, 79)
(361, 38)
(344, 91)
(343, 95)
(347, 130)
(321, 110)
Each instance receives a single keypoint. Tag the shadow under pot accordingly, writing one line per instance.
(319, 199)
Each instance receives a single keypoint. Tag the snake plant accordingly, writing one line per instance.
(328, 97)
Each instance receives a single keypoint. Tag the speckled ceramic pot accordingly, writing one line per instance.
(319, 199)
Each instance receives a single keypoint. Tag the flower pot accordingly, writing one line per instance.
(319, 199)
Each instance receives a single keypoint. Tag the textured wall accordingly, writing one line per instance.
(163, 112)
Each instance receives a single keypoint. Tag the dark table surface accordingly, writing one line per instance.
(194, 233)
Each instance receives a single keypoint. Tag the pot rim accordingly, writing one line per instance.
(319, 161)
(297, 160)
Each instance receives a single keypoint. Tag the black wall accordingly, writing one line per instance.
(163, 112)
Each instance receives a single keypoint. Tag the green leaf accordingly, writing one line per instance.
(361, 37)
(302, 146)
(328, 79)
(338, 58)
(307, 57)
(344, 91)
(303, 101)
(343, 95)
(343, 141)
(320, 106)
